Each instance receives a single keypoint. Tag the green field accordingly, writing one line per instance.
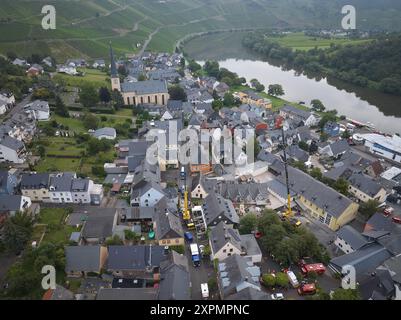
(85, 28)
(298, 41)
(92, 77)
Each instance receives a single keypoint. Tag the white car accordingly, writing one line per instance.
(277, 296)
(201, 248)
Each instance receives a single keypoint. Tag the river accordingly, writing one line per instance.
(360, 104)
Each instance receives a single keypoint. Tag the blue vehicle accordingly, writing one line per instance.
(188, 236)
(182, 173)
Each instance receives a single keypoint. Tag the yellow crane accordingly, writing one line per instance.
(186, 214)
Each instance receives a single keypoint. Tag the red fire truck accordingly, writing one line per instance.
(307, 288)
(319, 268)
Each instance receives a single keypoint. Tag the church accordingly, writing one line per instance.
(141, 92)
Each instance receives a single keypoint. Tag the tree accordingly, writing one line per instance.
(217, 104)
(11, 55)
(282, 279)
(131, 236)
(328, 116)
(41, 151)
(317, 105)
(276, 90)
(88, 96)
(369, 208)
(176, 92)
(316, 173)
(104, 95)
(122, 71)
(212, 68)
(345, 294)
(303, 145)
(228, 99)
(341, 185)
(141, 77)
(269, 280)
(17, 231)
(193, 66)
(248, 223)
(90, 121)
(260, 87)
(60, 108)
(117, 99)
(114, 241)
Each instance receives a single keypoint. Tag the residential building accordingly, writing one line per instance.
(38, 109)
(136, 261)
(146, 194)
(319, 201)
(349, 240)
(168, 228)
(36, 186)
(304, 118)
(81, 260)
(216, 209)
(99, 225)
(335, 149)
(8, 182)
(364, 188)
(12, 150)
(11, 204)
(224, 241)
(80, 190)
(60, 187)
(332, 129)
(237, 273)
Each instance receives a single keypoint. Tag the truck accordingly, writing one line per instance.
(307, 288)
(388, 211)
(293, 279)
(195, 254)
(319, 268)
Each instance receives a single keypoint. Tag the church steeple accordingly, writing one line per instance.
(113, 69)
(115, 79)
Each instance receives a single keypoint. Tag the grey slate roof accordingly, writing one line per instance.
(394, 266)
(34, 180)
(339, 147)
(168, 225)
(62, 182)
(10, 202)
(365, 184)
(216, 208)
(99, 225)
(105, 132)
(249, 294)
(364, 260)
(302, 114)
(315, 191)
(249, 243)
(145, 87)
(11, 143)
(352, 237)
(295, 152)
(222, 234)
(174, 283)
(236, 273)
(139, 257)
(80, 185)
(82, 258)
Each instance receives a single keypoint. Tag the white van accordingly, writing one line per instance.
(205, 290)
(293, 279)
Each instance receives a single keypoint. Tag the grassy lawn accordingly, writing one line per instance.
(57, 231)
(299, 41)
(92, 77)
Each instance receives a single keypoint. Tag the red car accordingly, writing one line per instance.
(258, 234)
(397, 220)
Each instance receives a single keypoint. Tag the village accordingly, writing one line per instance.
(322, 194)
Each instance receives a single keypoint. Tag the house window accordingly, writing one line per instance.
(231, 250)
(224, 251)
(128, 101)
(156, 99)
(148, 99)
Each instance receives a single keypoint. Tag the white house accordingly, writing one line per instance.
(3, 106)
(80, 190)
(146, 194)
(38, 109)
(224, 242)
(296, 114)
(11, 204)
(349, 240)
(11, 150)
(60, 187)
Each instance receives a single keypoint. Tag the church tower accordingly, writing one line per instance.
(115, 79)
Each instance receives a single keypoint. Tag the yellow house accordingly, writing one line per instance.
(365, 188)
(168, 229)
(36, 186)
(251, 97)
(321, 202)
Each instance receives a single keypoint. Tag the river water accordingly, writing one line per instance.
(361, 104)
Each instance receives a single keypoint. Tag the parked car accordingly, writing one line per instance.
(277, 296)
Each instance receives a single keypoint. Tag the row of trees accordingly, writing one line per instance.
(89, 96)
(374, 64)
